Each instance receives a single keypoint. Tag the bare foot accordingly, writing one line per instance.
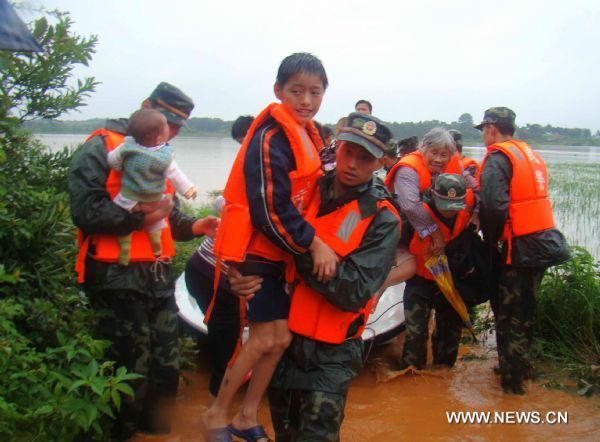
(210, 420)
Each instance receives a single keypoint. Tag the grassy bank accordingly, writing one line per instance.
(567, 330)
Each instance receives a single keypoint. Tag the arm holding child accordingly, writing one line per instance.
(360, 274)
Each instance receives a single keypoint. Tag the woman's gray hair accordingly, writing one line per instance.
(438, 137)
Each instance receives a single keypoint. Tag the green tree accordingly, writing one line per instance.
(466, 119)
(40, 85)
(54, 384)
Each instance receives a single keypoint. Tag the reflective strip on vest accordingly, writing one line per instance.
(311, 315)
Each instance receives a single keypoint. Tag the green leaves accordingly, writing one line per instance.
(567, 327)
(39, 85)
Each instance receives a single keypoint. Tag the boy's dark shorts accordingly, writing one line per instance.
(271, 302)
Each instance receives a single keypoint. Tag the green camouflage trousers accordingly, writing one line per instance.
(420, 297)
(514, 307)
(143, 331)
(305, 415)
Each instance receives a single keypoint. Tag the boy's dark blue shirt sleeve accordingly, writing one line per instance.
(267, 164)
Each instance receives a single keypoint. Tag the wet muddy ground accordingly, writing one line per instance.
(415, 407)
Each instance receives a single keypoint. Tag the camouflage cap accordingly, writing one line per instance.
(449, 191)
(497, 115)
(366, 131)
(172, 103)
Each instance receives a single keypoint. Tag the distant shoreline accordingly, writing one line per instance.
(217, 128)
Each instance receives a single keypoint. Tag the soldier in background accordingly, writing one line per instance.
(135, 304)
(521, 239)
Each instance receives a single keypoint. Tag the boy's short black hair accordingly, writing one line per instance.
(365, 102)
(240, 126)
(301, 62)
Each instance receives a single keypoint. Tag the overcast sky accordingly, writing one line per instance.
(414, 60)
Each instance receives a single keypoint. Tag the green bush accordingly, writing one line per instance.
(53, 385)
(567, 328)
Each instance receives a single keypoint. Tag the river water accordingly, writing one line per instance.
(410, 407)
(415, 407)
(207, 161)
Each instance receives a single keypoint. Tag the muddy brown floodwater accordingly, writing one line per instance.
(415, 407)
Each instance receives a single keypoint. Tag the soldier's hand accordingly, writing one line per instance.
(437, 243)
(243, 286)
(155, 211)
(325, 260)
(206, 226)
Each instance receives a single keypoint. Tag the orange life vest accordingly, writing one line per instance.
(470, 162)
(236, 236)
(311, 315)
(421, 247)
(105, 247)
(414, 160)
(529, 210)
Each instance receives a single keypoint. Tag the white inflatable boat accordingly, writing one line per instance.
(385, 323)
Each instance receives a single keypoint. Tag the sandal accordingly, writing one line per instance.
(250, 434)
(222, 434)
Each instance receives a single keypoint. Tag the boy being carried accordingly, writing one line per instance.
(270, 184)
(354, 213)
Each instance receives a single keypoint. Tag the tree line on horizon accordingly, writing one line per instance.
(217, 127)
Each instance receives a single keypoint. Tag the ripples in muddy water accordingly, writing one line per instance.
(416, 407)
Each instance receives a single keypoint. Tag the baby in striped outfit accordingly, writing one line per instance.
(146, 160)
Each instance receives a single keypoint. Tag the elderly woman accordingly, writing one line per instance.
(408, 179)
(415, 172)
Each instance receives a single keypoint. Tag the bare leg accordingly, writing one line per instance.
(260, 344)
(124, 249)
(156, 242)
(247, 417)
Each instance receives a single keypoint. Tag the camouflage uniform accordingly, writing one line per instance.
(135, 303)
(307, 394)
(513, 306)
(143, 332)
(513, 295)
(420, 297)
(306, 415)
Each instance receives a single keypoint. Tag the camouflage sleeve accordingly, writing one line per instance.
(362, 272)
(494, 196)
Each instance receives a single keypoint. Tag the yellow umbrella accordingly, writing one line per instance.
(438, 266)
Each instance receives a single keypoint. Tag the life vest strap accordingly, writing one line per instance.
(84, 244)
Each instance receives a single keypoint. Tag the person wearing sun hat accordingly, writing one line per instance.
(520, 237)
(450, 204)
(134, 303)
